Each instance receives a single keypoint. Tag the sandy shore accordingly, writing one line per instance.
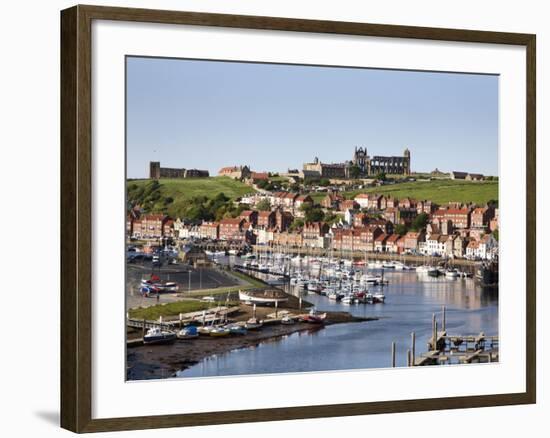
(162, 361)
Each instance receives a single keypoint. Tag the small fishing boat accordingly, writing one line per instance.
(253, 324)
(157, 336)
(189, 332)
(371, 279)
(287, 320)
(434, 272)
(205, 329)
(314, 317)
(236, 329)
(348, 299)
(378, 297)
(452, 273)
(219, 331)
(263, 296)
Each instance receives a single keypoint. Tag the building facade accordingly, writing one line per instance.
(361, 165)
(157, 172)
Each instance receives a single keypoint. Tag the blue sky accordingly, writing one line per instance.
(210, 114)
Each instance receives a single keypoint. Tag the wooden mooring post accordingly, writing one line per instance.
(434, 333)
(413, 347)
(393, 354)
(443, 327)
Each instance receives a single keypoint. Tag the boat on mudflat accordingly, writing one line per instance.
(190, 332)
(264, 297)
(253, 324)
(314, 317)
(157, 336)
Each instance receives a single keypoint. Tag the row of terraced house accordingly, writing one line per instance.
(367, 224)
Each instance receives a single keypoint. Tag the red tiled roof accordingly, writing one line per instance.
(259, 175)
(457, 211)
(393, 238)
(231, 220)
(210, 224)
(153, 216)
(228, 169)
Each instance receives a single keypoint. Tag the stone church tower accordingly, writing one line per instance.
(407, 162)
(154, 169)
(361, 159)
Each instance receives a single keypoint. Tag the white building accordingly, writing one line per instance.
(363, 200)
(485, 249)
(435, 245)
(264, 237)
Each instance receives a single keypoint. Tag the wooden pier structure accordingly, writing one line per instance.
(211, 316)
(448, 349)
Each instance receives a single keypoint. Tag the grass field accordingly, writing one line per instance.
(318, 196)
(438, 191)
(186, 188)
(170, 309)
(153, 313)
(173, 195)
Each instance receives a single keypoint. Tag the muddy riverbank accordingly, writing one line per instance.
(162, 361)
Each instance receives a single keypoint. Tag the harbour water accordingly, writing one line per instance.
(411, 300)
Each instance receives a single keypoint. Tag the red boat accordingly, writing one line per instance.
(313, 317)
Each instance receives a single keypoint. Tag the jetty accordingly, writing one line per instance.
(211, 316)
(444, 348)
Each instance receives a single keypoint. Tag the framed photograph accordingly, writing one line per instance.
(271, 218)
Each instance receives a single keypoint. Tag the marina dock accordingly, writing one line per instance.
(452, 349)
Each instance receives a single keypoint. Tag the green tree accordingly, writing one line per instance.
(264, 205)
(312, 213)
(420, 222)
(263, 184)
(331, 218)
(324, 182)
(354, 172)
(294, 188)
(495, 234)
(296, 224)
(381, 176)
(400, 229)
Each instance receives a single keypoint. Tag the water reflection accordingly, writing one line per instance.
(411, 300)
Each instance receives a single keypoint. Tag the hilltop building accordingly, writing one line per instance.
(157, 172)
(235, 172)
(361, 165)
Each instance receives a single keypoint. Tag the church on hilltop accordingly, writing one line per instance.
(360, 166)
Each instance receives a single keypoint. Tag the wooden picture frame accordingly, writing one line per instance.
(76, 218)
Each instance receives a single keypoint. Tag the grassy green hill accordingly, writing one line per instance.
(439, 191)
(172, 196)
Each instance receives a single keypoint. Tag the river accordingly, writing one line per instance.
(411, 299)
